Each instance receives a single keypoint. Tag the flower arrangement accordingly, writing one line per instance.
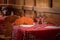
(24, 20)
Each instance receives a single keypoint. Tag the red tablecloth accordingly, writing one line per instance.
(20, 33)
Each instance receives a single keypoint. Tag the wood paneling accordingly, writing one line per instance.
(53, 18)
(29, 13)
(29, 2)
(1, 1)
(42, 3)
(10, 1)
(56, 3)
(19, 2)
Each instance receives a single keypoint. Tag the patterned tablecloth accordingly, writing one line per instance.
(35, 33)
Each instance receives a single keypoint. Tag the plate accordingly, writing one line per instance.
(26, 25)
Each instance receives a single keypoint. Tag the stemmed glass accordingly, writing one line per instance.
(43, 19)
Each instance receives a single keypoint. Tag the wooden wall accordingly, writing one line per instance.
(56, 4)
(53, 18)
(42, 3)
(35, 8)
(1, 1)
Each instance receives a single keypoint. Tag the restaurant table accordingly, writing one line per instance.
(35, 33)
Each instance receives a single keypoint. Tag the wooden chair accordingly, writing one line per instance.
(9, 25)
